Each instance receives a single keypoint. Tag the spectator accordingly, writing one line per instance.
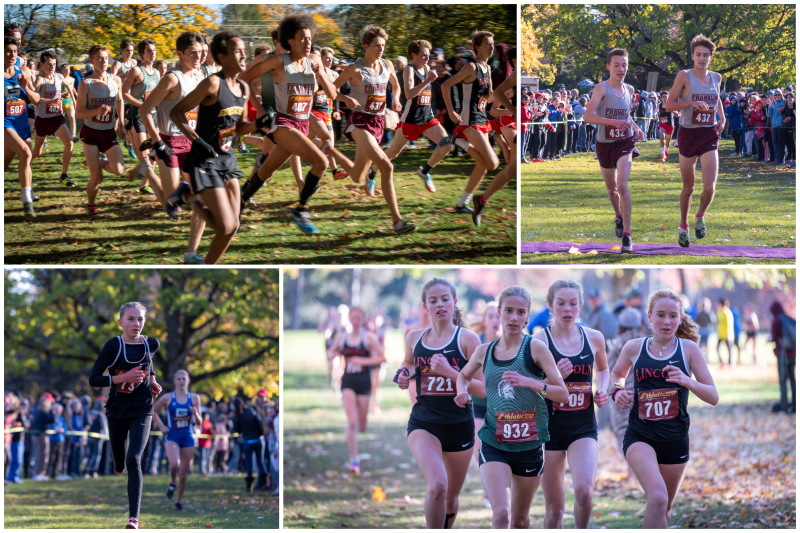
(750, 323)
(98, 425)
(78, 441)
(733, 113)
(633, 298)
(758, 119)
(222, 428)
(16, 417)
(737, 330)
(724, 330)
(204, 443)
(705, 320)
(57, 440)
(789, 129)
(42, 418)
(600, 316)
(783, 335)
(579, 110)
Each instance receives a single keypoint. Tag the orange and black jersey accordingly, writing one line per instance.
(125, 400)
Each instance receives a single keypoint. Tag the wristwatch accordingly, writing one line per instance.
(544, 390)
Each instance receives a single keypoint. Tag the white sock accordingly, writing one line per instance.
(663, 149)
(189, 255)
(25, 195)
(463, 143)
(466, 197)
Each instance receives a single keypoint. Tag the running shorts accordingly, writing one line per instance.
(694, 142)
(525, 463)
(136, 125)
(478, 411)
(251, 112)
(66, 104)
(31, 111)
(373, 124)
(559, 442)
(506, 121)
(180, 146)
(609, 153)
(359, 383)
(183, 441)
(48, 126)
(453, 437)
(210, 178)
(675, 452)
(483, 128)
(413, 131)
(324, 117)
(666, 128)
(286, 121)
(103, 139)
(22, 127)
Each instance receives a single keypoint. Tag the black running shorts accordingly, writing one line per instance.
(526, 463)
(453, 437)
(673, 452)
(560, 443)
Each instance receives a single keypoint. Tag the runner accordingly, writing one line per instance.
(183, 409)
(139, 82)
(50, 113)
(610, 108)
(68, 96)
(250, 425)
(14, 30)
(573, 427)
(417, 118)
(696, 95)
(125, 364)
(100, 105)
(474, 86)
(360, 349)
(18, 92)
(167, 140)
(120, 68)
(322, 107)
(441, 434)
(211, 163)
(368, 79)
(515, 428)
(666, 123)
(506, 125)
(656, 443)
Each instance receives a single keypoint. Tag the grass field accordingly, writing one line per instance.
(354, 228)
(566, 200)
(218, 502)
(742, 473)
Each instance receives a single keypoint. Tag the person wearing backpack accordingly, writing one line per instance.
(784, 336)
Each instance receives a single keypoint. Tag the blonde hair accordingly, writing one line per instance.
(687, 328)
(129, 305)
(326, 50)
(515, 290)
(181, 372)
(563, 284)
(458, 318)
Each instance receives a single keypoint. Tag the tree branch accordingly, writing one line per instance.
(231, 368)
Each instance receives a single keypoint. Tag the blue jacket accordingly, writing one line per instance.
(775, 116)
(734, 115)
(553, 116)
(58, 424)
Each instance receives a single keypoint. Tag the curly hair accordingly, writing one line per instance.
(702, 40)
(292, 24)
(48, 54)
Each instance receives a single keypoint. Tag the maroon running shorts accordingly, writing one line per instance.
(609, 153)
(287, 121)
(180, 146)
(373, 124)
(103, 139)
(694, 142)
(48, 126)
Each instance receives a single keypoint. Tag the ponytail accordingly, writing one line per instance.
(688, 329)
(458, 318)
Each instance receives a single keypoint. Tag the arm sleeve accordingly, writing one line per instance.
(104, 360)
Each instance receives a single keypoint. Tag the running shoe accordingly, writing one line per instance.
(28, 211)
(371, 174)
(91, 212)
(370, 187)
(700, 227)
(243, 149)
(427, 180)
(627, 245)
(666, 155)
(618, 227)
(34, 197)
(74, 139)
(683, 238)
(178, 506)
(402, 227)
(450, 139)
(478, 203)
(66, 181)
(170, 490)
(177, 198)
(196, 259)
(463, 209)
(662, 158)
(487, 503)
(146, 190)
(303, 221)
(339, 174)
(355, 467)
(133, 523)
(130, 151)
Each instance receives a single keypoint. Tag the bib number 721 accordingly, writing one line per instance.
(433, 384)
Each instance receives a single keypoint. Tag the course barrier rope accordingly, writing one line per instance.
(101, 436)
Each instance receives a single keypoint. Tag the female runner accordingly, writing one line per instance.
(440, 434)
(182, 411)
(129, 409)
(656, 443)
(577, 351)
(361, 350)
(515, 427)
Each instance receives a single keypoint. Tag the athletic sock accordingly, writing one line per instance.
(466, 197)
(663, 149)
(371, 174)
(251, 187)
(683, 228)
(308, 187)
(186, 257)
(699, 217)
(462, 143)
(426, 168)
(626, 234)
(25, 195)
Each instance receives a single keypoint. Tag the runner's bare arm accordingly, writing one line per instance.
(598, 343)
(396, 107)
(252, 77)
(499, 94)
(411, 341)
(120, 108)
(703, 385)
(470, 342)
(351, 74)
(720, 110)
(323, 80)
(206, 93)
(26, 84)
(465, 377)
(196, 411)
(375, 348)
(160, 404)
(467, 70)
(556, 390)
(672, 103)
(244, 126)
(591, 117)
(163, 90)
(134, 76)
(80, 103)
(408, 83)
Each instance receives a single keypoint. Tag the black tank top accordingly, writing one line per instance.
(418, 110)
(352, 354)
(664, 117)
(321, 102)
(474, 96)
(659, 410)
(435, 393)
(577, 415)
(216, 124)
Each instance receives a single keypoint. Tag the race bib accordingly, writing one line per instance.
(616, 133)
(424, 98)
(658, 404)
(182, 418)
(226, 138)
(102, 119)
(664, 120)
(516, 426)
(299, 104)
(433, 384)
(54, 108)
(321, 97)
(375, 103)
(15, 108)
(482, 103)
(353, 368)
(191, 118)
(124, 387)
(703, 118)
(580, 396)
(146, 94)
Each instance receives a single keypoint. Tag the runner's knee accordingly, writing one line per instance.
(500, 517)
(319, 163)
(385, 167)
(183, 477)
(658, 500)
(554, 510)
(583, 495)
(437, 490)
(520, 522)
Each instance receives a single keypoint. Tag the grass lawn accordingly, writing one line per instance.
(355, 229)
(742, 472)
(218, 502)
(566, 200)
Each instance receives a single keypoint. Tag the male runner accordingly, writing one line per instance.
(120, 68)
(610, 109)
(696, 95)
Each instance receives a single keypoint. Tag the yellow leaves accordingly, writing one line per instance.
(378, 494)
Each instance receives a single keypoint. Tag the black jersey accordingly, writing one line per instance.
(665, 117)
(125, 400)
(321, 102)
(659, 410)
(354, 372)
(577, 415)
(418, 110)
(215, 125)
(436, 393)
(473, 97)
